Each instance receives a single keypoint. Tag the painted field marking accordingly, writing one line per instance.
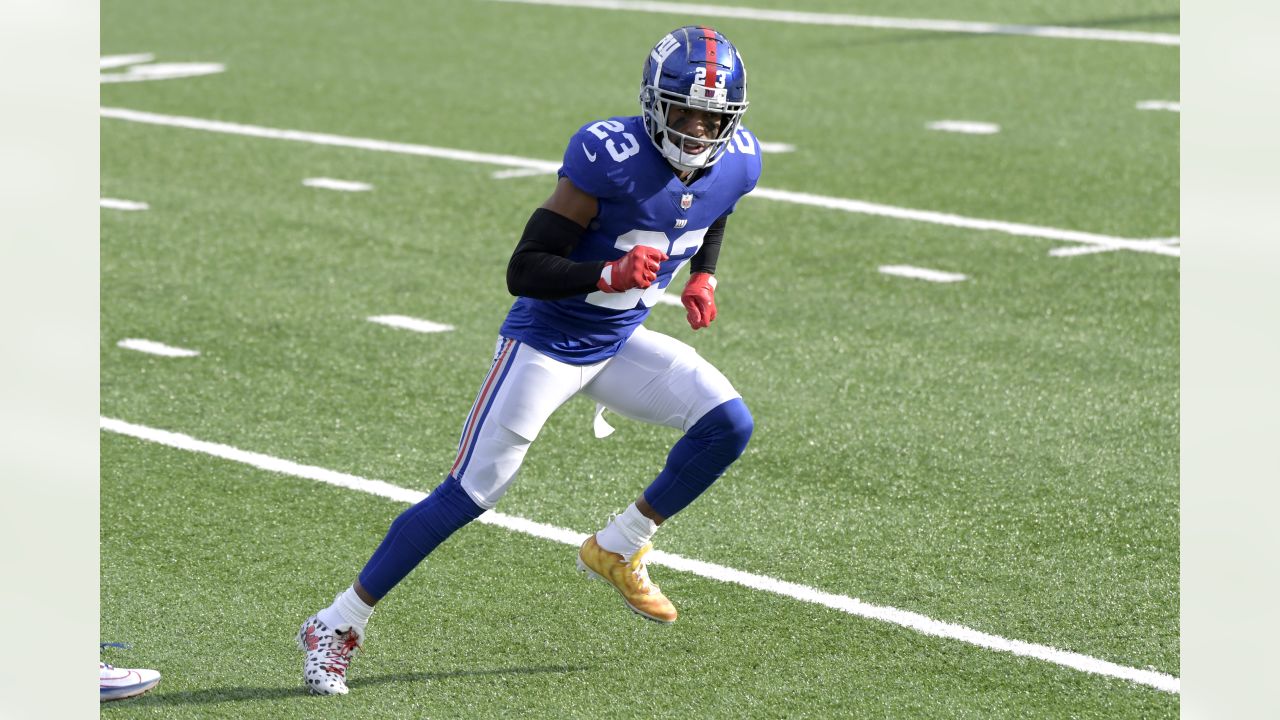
(519, 173)
(154, 348)
(765, 147)
(869, 21)
(230, 128)
(1169, 105)
(405, 322)
(968, 127)
(114, 204)
(160, 71)
(775, 147)
(853, 606)
(938, 218)
(670, 298)
(919, 273)
(1075, 250)
(339, 185)
(107, 62)
(513, 161)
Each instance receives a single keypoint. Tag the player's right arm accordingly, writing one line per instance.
(540, 267)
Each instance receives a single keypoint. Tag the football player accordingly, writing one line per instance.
(636, 199)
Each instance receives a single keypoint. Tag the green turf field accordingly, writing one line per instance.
(1000, 453)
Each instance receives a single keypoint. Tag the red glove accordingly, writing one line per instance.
(637, 269)
(699, 298)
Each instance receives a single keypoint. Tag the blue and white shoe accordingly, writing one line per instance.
(119, 683)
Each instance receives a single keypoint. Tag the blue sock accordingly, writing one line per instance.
(700, 457)
(416, 533)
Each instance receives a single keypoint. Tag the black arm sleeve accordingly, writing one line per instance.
(705, 259)
(539, 267)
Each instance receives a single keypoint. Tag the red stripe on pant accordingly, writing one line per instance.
(481, 400)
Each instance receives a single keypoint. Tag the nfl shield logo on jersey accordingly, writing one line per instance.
(686, 201)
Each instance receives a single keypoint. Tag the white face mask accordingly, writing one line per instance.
(672, 144)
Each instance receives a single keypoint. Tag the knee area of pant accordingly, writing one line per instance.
(730, 425)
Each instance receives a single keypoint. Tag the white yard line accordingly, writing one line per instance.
(513, 161)
(325, 183)
(114, 204)
(230, 128)
(410, 323)
(919, 273)
(775, 147)
(1169, 105)
(107, 62)
(154, 348)
(1076, 250)
(853, 606)
(938, 218)
(869, 21)
(968, 127)
(519, 173)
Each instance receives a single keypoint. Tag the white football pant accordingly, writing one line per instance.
(654, 378)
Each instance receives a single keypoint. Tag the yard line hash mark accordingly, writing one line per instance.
(513, 161)
(1169, 105)
(853, 606)
(140, 68)
(325, 183)
(968, 127)
(405, 322)
(154, 348)
(868, 21)
(114, 204)
(919, 273)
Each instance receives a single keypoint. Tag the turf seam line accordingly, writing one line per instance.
(1159, 246)
(867, 21)
(853, 606)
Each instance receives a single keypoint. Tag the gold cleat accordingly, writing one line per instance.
(630, 579)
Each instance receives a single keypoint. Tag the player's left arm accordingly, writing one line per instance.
(699, 296)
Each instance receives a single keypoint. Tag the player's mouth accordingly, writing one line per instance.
(694, 148)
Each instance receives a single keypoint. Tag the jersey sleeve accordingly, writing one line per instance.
(591, 161)
(746, 153)
(755, 162)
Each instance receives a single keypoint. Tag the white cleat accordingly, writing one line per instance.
(119, 683)
(328, 655)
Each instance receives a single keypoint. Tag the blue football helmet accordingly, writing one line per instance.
(693, 67)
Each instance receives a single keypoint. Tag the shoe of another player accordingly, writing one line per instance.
(629, 578)
(119, 683)
(328, 655)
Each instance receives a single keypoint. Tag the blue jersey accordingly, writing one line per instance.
(641, 202)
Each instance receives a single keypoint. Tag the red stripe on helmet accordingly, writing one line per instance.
(710, 36)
